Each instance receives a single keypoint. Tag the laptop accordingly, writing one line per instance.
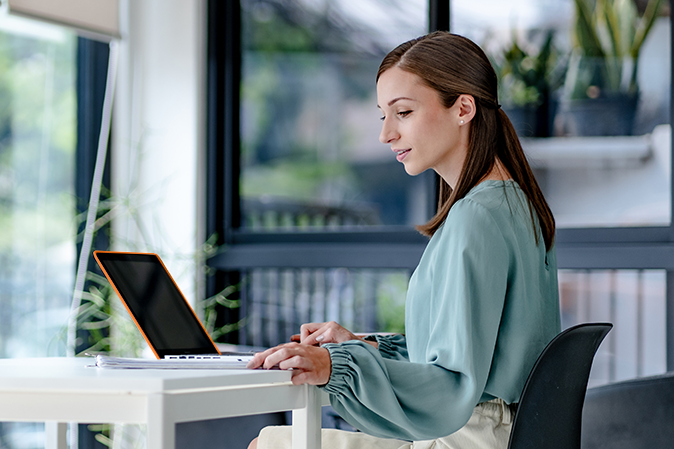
(162, 314)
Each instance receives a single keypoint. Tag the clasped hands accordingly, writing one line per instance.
(309, 362)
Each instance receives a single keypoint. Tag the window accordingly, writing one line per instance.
(37, 163)
(278, 301)
(311, 161)
(310, 155)
(307, 199)
(635, 302)
(38, 129)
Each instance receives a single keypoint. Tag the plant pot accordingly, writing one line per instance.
(532, 120)
(523, 118)
(609, 116)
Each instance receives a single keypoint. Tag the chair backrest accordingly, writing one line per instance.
(632, 414)
(549, 414)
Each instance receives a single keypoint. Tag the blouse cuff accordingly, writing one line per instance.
(341, 361)
(384, 345)
(389, 345)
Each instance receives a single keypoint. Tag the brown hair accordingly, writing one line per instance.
(453, 65)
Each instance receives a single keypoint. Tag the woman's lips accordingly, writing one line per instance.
(401, 154)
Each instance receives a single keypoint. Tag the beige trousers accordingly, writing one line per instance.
(488, 428)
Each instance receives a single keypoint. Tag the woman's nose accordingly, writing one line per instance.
(388, 134)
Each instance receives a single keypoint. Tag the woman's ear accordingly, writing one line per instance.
(466, 107)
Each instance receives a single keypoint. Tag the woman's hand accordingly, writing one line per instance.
(319, 333)
(310, 364)
(315, 334)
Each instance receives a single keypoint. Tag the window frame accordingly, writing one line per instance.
(92, 68)
(601, 248)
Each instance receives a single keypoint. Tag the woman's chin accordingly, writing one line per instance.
(412, 170)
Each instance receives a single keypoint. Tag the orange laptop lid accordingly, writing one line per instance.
(154, 301)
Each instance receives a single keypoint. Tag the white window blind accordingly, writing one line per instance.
(97, 19)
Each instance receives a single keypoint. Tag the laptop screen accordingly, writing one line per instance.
(155, 302)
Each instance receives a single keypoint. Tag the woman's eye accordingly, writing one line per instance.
(382, 118)
(404, 113)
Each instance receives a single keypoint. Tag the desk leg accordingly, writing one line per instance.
(307, 422)
(161, 431)
(55, 435)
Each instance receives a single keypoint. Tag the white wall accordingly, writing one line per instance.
(158, 123)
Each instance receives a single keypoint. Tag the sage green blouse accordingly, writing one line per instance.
(481, 306)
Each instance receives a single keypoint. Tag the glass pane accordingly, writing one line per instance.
(37, 207)
(37, 149)
(311, 157)
(596, 129)
(634, 301)
(275, 303)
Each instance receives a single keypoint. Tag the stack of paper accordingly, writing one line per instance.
(231, 362)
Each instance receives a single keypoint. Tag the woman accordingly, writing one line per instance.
(483, 302)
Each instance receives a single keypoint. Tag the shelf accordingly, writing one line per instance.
(588, 152)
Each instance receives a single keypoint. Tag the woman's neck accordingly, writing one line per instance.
(497, 173)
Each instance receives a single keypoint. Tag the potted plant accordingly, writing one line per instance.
(601, 91)
(528, 78)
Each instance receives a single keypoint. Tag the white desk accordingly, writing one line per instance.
(62, 390)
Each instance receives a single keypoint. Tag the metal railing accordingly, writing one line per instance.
(274, 214)
(634, 301)
(275, 303)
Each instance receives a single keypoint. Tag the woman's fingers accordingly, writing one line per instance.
(294, 362)
(283, 353)
(307, 330)
(319, 333)
(302, 377)
(260, 357)
(310, 363)
(316, 339)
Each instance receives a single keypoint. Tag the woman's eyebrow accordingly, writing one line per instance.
(392, 102)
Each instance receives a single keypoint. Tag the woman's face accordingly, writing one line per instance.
(422, 132)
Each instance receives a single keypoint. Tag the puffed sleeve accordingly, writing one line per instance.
(434, 394)
(391, 346)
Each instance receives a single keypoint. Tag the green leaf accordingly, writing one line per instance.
(644, 27)
(613, 27)
(586, 33)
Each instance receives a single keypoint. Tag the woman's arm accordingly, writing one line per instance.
(398, 399)
(312, 364)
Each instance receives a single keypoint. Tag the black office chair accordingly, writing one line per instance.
(632, 414)
(550, 410)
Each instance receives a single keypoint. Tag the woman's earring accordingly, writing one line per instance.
(461, 122)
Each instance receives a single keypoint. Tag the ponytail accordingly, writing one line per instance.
(512, 156)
